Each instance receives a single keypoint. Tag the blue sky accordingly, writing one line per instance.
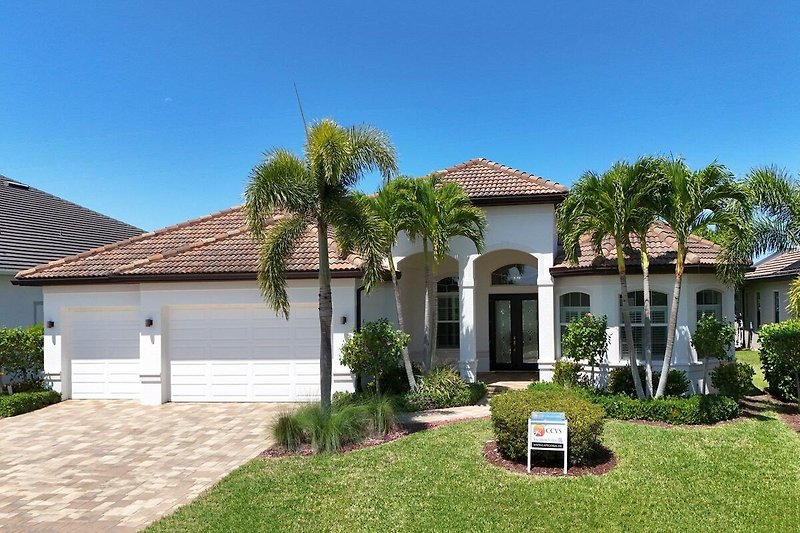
(155, 112)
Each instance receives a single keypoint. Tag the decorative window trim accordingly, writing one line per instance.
(447, 290)
(516, 274)
(660, 310)
(708, 306)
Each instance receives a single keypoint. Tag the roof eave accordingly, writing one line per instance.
(560, 271)
(520, 199)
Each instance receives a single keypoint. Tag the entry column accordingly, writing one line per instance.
(467, 360)
(547, 313)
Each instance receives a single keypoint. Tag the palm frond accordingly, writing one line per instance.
(358, 228)
(279, 243)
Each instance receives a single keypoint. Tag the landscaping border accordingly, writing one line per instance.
(605, 462)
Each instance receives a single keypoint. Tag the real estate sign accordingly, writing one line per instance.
(548, 432)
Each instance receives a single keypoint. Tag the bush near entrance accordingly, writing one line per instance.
(692, 410)
(780, 358)
(374, 350)
(620, 381)
(511, 410)
(443, 387)
(734, 379)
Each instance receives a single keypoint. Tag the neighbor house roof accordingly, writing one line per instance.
(778, 266)
(487, 182)
(661, 247)
(216, 246)
(36, 227)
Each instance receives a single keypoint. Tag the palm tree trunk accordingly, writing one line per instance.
(647, 333)
(626, 318)
(672, 325)
(325, 319)
(427, 344)
(401, 324)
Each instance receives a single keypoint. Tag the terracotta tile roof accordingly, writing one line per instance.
(217, 244)
(780, 265)
(484, 179)
(661, 245)
(36, 227)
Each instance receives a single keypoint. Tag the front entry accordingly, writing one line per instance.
(513, 332)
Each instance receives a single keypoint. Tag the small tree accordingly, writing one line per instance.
(586, 339)
(780, 357)
(374, 350)
(713, 338)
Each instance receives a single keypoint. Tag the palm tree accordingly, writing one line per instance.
(436, 213)
(614, 205)
(287, 196)
(695, 201)
(390, 207)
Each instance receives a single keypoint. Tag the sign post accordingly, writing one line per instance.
(548, 432)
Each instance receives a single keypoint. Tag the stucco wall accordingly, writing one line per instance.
(767, 290)
(18, 305)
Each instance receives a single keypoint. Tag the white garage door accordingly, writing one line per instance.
(243, 354)
(103, 347)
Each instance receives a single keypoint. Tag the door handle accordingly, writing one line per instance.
(513, 342)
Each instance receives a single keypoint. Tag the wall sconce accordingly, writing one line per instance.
(343, 319)
(148, 322)
(50, 324)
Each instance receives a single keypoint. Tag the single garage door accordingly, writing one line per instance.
(103, 348)
(243, 354)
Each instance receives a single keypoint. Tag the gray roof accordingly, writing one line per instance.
(36, 227)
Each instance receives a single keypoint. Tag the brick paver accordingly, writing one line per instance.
(118, 465)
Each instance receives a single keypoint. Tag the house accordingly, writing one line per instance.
(36, 227)
(176, 314)
(764, 297)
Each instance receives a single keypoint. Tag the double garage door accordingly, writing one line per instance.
(213, 354)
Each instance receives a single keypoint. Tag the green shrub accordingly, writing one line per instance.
(695, 409)
(394, 379)
(374, 350)
(25, 402)
(586, 339)
(780, 358)
(733, 379)
(381, 415)
(288, 432)
(620, 381)
(567, 373)
(443, 387)
(22, 355)
(511, 410)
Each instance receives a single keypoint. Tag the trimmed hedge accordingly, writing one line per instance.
(22, 353)
(734, 379)
(25, 402)
(693, 410)
(511, 410)
(443, 387)
(620, 381)
(780, 358)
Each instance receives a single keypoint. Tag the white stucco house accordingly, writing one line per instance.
(176, 314)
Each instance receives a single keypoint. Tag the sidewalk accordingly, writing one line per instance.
(466, 412)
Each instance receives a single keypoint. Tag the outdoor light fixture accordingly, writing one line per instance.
(148, 322)
(50, 324)
(344, 319)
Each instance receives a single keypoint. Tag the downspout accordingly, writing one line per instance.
(359, 292)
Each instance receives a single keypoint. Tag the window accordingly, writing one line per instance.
(38, 312)
(709, 303)
(776, 299)
(514, 275)
(658, 321)
(448, 314)
(572, 305)
(758, 310)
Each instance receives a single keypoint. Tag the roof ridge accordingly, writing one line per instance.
(124, 242)
(539, 180)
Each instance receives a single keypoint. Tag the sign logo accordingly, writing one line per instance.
(538, 431)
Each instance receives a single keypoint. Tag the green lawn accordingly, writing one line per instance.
(738, 476)
(750, 357)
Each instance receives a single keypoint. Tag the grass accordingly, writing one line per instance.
(751, 357)
(737, 476)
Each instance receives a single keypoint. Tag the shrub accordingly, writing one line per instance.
(288, 432)
(712, 339)
(374, 350)
(511, 410)
(394, 379)
(443, 387)
(620, 381)
(22, 354)
(568, 374)
(381, 415)
(733, 379)
(586, 339)
(780, 358)
(695, 409)
(25, 402)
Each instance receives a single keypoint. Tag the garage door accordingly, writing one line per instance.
(243, 354)
(103, 347)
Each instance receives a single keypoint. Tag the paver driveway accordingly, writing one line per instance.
(118, 465)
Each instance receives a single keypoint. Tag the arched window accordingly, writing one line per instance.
(519, 274)
(571, 306)
(448, 314)
(658, 321)
(709, 302)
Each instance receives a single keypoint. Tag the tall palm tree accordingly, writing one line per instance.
(437, 213)
(314, 192)
(695, 201)
(390, 207)
(613, 204)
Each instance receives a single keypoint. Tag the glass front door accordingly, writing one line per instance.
(513, 331)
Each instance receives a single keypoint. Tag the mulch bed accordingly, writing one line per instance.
(604, 462)
(404, 430)
(754, 405)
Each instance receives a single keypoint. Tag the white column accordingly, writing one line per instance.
(152, 373)
(547, 322)
(56, 366)
(468, 359)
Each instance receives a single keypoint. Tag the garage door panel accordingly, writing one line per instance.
(243, 354)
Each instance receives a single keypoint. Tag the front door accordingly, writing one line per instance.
(513, 331)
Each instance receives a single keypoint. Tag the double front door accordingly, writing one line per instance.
(513, 331)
